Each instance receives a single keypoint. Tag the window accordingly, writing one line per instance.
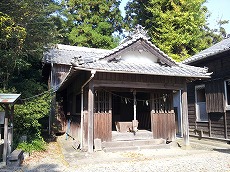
(101, 101)
(227, 93)
(201, 113)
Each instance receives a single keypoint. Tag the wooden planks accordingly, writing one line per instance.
(137, 81)
(163, 125)
(103, 126)
(215, 96)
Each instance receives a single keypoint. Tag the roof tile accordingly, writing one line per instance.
(217, 48)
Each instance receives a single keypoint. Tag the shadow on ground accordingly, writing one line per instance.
(223, 150)
(41, 167)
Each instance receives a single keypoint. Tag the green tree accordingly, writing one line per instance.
(217, 34)
(178, 27)
(91, 23)
(12, 38)
(136, 13)
(29, 28)
(26, 27)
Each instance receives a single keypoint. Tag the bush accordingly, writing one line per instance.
(34, 145)
(26, 122)
(27, 117)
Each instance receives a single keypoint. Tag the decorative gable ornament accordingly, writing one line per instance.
(137, 32)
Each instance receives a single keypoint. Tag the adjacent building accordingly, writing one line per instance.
(209, 100)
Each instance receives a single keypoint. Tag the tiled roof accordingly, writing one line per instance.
(149, 69)
(108, 60)
(220, 47)
(65, 54)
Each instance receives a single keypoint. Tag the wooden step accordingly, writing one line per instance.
(135, 148)
(132, 145)
(139, 135)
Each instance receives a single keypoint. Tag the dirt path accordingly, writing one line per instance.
(56, 159)
(50, 160)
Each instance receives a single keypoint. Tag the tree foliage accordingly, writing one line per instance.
(28, 114)
(27, 122)
(26, 27)
(178, 27)
(12, 38)
(91, 23)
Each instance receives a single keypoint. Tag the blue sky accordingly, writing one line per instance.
(219, 9)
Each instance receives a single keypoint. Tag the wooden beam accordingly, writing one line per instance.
(136, 85)
(90, 117)
(185, 116)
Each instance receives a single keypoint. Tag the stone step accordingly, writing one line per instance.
(133, 143)
(135, 148)
(139, 135)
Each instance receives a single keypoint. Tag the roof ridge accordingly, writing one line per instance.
(78, 48)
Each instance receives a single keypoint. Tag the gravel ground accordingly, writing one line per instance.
(161, 160)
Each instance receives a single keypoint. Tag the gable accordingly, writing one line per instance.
(140, 56)
(139, 51)
(135, 54)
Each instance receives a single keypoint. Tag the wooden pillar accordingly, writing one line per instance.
(225, 126)
(90, 117)
(185, 115)
(10, 139)
(134, 106)
(110, 103)
(209, 126)
(5, 148)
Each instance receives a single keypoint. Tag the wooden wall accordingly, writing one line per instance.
(191, 107)
(75, 127)
(212, 128)
(60, 123)
(59, 72)
(120, 80)
(228, 123)
(163, 125)
(103, 126)
(218, 126)
(218, 64)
